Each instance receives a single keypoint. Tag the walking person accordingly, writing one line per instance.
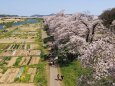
(62, 77)
(57, 76)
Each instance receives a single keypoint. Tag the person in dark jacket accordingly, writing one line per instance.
(62, 77)
(57, 76)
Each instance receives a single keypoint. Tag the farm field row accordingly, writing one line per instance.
(19, 46)
(21, 53)
(18, 61)
(18, 75)
(16, 40)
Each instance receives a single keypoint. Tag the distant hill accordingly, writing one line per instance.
(4, 15)
(37, 15)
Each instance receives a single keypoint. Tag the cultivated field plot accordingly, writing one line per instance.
(9, 75)
(0, 59)
(27, 53)
(35, 52)
(6, 53)
(34, 60)
(24, 35)
(30, 27)
(1, 75)
(18, 46)
(4, 46)
(21, 53)
(26, 74)
(12, 61)
(10, 20)
(16, 40)
(25, 61)
(18, 73)
(34, 46)
(4, 61)
(32, 72)
(29, 61)
(19, 33)
(1, 72)
(8, 61)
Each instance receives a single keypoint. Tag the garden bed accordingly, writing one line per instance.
(24, 61)
(12, 61)
(34, 60)
(35, 52)
(18, 60)
(32, 72)
(4, 61)
(9, 75)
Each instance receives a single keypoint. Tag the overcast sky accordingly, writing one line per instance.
(30, 7)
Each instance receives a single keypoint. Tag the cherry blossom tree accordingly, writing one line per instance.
(86, 36)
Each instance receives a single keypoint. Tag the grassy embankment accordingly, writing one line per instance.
(41, 75)
(72, 72)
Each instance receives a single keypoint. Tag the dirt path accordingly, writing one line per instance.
(53, 77)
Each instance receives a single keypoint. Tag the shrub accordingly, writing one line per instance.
(108, 16)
